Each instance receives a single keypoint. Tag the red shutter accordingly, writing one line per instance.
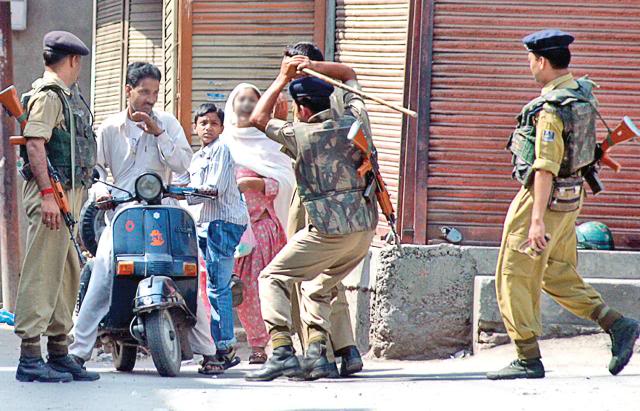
(481, 80)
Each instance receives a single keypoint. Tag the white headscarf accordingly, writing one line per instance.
(252, 149)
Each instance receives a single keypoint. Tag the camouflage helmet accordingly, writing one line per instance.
(594, 235)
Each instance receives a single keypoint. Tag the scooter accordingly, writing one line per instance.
(155, 269)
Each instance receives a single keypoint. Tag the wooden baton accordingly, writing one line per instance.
(362, 94)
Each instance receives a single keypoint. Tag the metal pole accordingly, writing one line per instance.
(9, 217)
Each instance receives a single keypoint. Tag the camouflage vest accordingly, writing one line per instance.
(577, 109)
(59, 146)
(326, 172)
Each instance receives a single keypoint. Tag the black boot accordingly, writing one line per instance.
(334, 374)
(73, 365)
(283, 361)
(315, 364)
(624, 333)
(519, 369)
(35, 369)
(351, 360)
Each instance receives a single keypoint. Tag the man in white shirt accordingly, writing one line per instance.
(135, 141)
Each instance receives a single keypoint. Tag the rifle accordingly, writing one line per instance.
(371, 168)
(625, 131)
(9, 99)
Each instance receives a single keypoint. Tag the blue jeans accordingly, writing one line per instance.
(218, 248)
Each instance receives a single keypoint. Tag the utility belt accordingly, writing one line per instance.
(567, 194)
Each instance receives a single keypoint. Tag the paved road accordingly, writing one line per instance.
(577, 380)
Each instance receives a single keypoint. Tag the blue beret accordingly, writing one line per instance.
(547, 40)
(64, 42)
(310, 87)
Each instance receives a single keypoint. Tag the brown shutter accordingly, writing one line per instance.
(107, 73)
(481, 80)
(371, 36)
(144, 40)
(243, 41)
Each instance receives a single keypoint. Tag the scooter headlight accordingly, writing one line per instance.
(149, 187)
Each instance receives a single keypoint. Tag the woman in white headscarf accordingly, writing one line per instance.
(265, 177)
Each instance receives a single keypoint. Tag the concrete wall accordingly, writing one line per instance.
(75, 16)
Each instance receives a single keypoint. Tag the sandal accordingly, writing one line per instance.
(228, 358)
(258, 357)
(210, 365)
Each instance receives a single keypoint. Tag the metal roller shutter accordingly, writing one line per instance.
(170, 38)
(371, 36)
(243, 41)
(481, 80)
(107, 73)
(144, 40)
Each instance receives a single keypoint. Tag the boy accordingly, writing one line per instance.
(221, 222)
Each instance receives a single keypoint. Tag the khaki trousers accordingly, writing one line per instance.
(520, 278)
(50, 273)
(341, 334)
(309, 255)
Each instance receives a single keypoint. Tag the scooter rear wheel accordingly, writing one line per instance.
(124, 356)
(164, 342)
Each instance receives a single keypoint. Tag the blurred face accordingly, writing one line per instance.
(208, 128)
(143, 96)
(245, 102)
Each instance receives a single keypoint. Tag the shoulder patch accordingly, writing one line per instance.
(548, 136)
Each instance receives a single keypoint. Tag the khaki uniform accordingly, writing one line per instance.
(50, 274)
(342, 224)
(341, 335)
(519, 277)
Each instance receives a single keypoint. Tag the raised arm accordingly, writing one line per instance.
(263, 112)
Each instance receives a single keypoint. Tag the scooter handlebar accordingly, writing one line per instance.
(190, 191)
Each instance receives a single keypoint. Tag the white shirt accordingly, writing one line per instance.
(133, 132)
(128, 153)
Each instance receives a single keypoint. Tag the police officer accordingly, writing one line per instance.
(342, 218)
(554, 141)
(341, 341)
(59, 126)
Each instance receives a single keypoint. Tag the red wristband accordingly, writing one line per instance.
(46, 191)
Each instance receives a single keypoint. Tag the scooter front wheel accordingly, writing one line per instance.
(164, 342)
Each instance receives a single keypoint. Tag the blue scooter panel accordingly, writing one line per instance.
(159, 239)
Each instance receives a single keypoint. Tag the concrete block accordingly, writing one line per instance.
(591, 263)
(423, 302)
(621, 294)
(359, 286)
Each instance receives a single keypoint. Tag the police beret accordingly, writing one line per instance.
(310, 87)
(64, 42)
(547, 40)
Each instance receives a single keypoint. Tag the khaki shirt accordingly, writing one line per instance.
(45, 108)
(549, 148)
